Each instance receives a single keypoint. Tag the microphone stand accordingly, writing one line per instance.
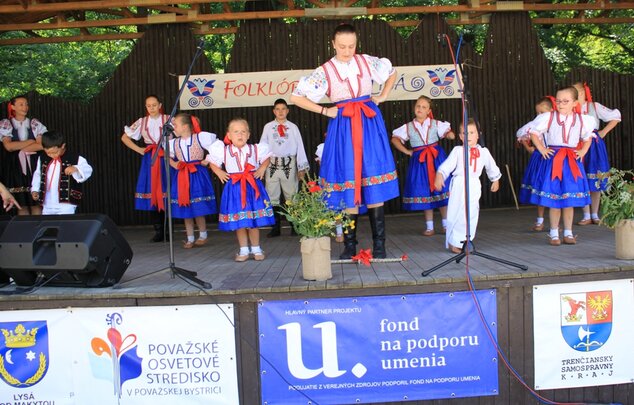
(167, 131)
(468, 248)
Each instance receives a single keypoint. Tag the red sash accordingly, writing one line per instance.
(353, 110)
(184, 169)
(474, 154)
(558, 163)
(156, 189)
(245, 177)
(428, 154)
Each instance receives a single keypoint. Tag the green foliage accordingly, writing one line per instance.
(617, 202)
(309, 213)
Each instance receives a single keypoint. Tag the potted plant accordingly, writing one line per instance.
(617, 210)
(315, 221)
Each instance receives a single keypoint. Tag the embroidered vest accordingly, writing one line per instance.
(69, 190)
(145, 133)
(196, 151)
(339, 89)
(417, 139)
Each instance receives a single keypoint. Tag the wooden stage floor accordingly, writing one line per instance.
(503, 233)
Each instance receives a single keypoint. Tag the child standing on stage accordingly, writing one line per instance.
(358, 165)
(21, 140)
(151, 186)
(193, 192)
(288, 160)
(423, 134)
(244, 206)
(479, 158)
(596, 161)
(58, 177)
(561, 184)
(545, 104)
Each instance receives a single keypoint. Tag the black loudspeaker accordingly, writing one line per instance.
(67, 250)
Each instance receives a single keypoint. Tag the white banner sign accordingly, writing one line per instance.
(255, 89)
(583, 334)
(119, 356)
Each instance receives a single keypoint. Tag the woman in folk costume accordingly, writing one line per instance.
(423, 134)
(244, 206)
(479, 158)
(151, 184)
(192, 190)
(357, 166)
(561, 183)
(596, 161)
(21, 140)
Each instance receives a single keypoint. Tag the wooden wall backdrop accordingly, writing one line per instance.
(502, 86)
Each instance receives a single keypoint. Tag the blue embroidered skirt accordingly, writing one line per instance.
(144, 184)
(379, 181)
(257, 212)
(533, 172)
(202, 200)
(556, 193)
(597, 164)
(417, 195)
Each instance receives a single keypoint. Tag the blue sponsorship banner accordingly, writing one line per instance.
(377, 349)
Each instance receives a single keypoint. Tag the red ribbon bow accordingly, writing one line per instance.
(474, 154)
(184, 169)
(226, 140)
(156, 189)
(428, 154)
(558, 164)
(281, 130)
(245, 177)
(353, 110)
(51, 169)
(364, 257)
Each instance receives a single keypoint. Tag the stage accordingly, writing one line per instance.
(503, 233)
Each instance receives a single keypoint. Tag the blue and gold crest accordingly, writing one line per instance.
(24, 357)
(586, 319)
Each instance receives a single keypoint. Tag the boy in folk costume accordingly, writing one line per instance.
(58, 177)
(288, 161)
(357, 165)
(479, 158)
(21, 140)
(562, 183)
(151, 186)
(244, 206)
(596, 161)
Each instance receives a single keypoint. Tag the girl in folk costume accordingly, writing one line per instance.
(596, 161)
(479, 158)
(423, 134)
(561, 183)
(244, 206)
(150, 187)
(21, 140)
(357, 166)
(545, 104)
(193, 193)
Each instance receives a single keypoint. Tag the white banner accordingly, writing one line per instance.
(583, 334)
(119, 356)
(255, 89)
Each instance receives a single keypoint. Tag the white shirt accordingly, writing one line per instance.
(454, 164)
(235, 159)
(564, 130)
(604, 113)
(206, 139)
(6, 129)
(290, 144)
(403, 135)
(319, 152)
(154, 128)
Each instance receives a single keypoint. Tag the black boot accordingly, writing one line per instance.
(275, 230)
(377, 222)
(159, 233)
(350, 240)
